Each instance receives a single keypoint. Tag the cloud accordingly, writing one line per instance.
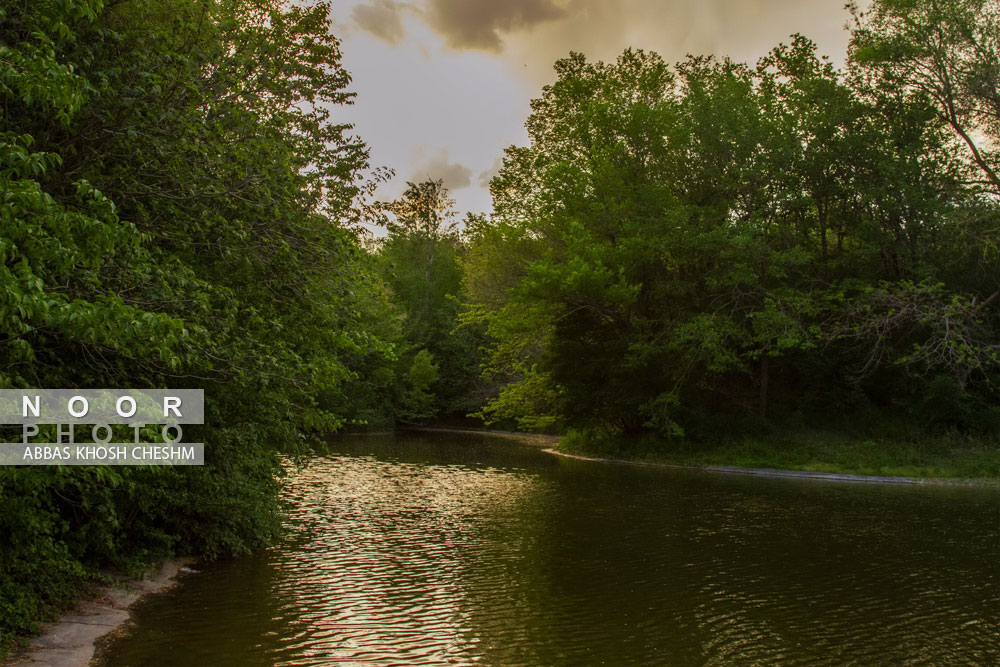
(455, 176)
(382, 18)
(479, 25)
(532, 34)
(460, 73)
(487, 175)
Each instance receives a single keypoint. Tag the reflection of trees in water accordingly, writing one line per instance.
(643, 566)
(580, 587)
(231, 614)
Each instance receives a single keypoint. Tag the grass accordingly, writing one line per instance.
(949, 455)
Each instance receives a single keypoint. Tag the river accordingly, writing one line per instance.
(466, 549)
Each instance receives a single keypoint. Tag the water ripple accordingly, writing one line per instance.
(452, 551)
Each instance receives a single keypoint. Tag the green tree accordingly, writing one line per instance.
(420, 261)
(674, 247)
(175, 198)
(418, 397)
(941, 59)
(945, 53)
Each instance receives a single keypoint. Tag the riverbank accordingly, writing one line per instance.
(71, 641)
(947, 459)
(941, 461)
(538, 439)
(799, 474)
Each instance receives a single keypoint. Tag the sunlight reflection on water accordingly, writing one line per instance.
(451, 549)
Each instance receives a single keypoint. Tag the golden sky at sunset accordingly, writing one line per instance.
(443, 85)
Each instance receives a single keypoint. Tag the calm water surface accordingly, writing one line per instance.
(453, 549)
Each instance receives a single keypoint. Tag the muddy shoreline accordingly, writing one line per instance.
(72, 640)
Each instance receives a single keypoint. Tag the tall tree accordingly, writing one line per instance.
(420, 262)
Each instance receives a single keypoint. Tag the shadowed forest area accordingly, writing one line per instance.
(704, 262)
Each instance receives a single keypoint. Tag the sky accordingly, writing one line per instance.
(443, 86)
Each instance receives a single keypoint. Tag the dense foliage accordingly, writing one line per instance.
(174, 192)
(713, 248)
(420, 261)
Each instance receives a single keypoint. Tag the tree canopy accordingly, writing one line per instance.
(177, 207)
(700, 245)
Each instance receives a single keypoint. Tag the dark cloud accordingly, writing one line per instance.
(480, 24)
(382, 18)
(742, 29)
(455, 176)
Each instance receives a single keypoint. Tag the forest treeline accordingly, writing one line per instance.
(681, 252)
(709, 249)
